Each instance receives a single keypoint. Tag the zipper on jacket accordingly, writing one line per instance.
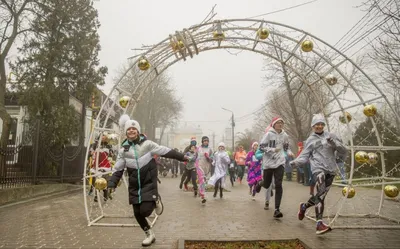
(137, 162)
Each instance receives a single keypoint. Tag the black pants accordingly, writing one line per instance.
(175, 169)
(143, 210)
(232, 175)
(278, 176)
(183, 178)
(323, 183)
(192, 175)
(218, 185)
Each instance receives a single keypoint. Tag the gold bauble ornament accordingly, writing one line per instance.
(352, 192)
(362, 157)
(219, 35)
(143, 64)
(331, 79)
(113, 139)
(343, 120)
(370, 110)
(263, 33)
(123, 101)
(372, 158)
(307, 46)
(100, 184)
(391, 191)
(177, 45)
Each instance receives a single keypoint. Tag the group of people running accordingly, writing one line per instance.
(265, 162)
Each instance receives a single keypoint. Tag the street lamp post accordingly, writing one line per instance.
(233, 128)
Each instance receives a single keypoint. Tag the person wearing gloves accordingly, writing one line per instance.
(221, 163)
(274, 142)
(137, 156)
(186, 176)
(320, 150)
(254, 172)
(191, 169)
(203, 166)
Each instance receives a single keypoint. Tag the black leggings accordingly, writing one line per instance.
(143, 210)
(323, 183)
(218, 184)
(278, 177)
(192, 175)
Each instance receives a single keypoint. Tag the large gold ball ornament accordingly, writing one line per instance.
(177, 45)
(370, 110)
(143, 64)
(372, 158)
(342, 119)
(351, 194)
(391, 191)
(307, 46)
(362, 157)
(263, 33)
(100, 184)
(219, 35)
(123, 101)
(331, 79)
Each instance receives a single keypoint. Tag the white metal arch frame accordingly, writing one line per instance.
(242, 34)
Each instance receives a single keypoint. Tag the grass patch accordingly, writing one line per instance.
(284, 244)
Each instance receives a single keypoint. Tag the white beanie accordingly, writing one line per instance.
(221, 144)
(318, 118)
(132, 123)
(126, 122)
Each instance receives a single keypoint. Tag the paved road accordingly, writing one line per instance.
(61, 222)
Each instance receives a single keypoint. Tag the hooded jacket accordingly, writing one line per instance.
(321, 153)
(138, 158)
(270, 143)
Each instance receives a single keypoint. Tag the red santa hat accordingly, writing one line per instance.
(273, 122)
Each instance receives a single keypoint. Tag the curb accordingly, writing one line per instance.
(181, 242)
(47, 196)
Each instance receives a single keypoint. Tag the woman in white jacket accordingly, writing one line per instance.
(221, 163)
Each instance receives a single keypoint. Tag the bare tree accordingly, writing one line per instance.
(386, 51)
(13, 15)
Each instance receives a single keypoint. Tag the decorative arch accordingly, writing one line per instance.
(348, 97)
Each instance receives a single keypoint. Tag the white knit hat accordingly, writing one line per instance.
(126, 122)
(221, 144)
(318, 118)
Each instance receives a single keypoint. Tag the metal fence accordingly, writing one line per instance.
(22, 165)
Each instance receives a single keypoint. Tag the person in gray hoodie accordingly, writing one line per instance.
(273, 145)
(321, 150)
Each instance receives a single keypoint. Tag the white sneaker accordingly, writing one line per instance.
(254, 198)
(150, 238)
(159, 206)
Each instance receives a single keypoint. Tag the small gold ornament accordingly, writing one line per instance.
(372, 158)
(370, 110)
(100, 184)
(219, 35)
(177, 45)
(143, 64)
(352, 192)
(307, 46)
(362, 157)
(123, 101)
(263, 33)
(113, 139)
(331, 79)
(391, 191)
(343, 120)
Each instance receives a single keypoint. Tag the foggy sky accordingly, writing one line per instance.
(213, 79)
